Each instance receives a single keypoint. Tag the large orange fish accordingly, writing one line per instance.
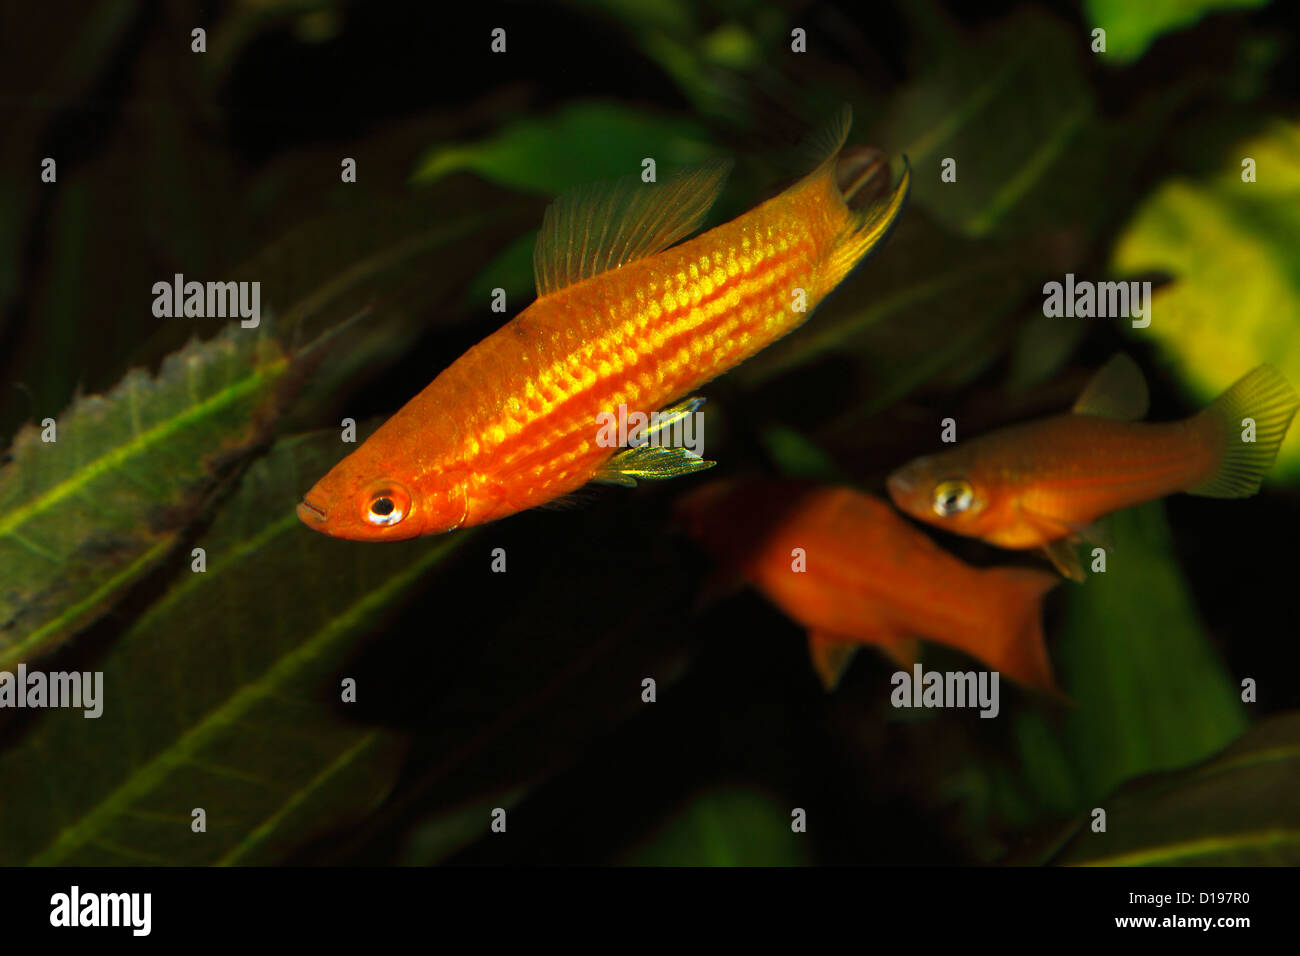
(1044, 483)
(847, 567)
(622, 323)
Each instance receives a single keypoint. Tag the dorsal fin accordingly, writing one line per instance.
(825, 142)
(1117, 391)
(601, 226)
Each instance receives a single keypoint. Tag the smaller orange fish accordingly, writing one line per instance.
(868, 577)
(1043, 484)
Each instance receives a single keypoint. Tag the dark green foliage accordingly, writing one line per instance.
(526, 692)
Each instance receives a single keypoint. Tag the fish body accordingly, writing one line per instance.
(1049, 479)
(624, 323)
(1040, 483)
(848, 568)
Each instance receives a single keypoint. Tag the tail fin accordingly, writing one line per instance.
(862, 175)
(1265, 397)
(869, 227)
(1020, 652)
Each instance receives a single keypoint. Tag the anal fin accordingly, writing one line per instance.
(903, 651)
(831, 656)
(833, 653)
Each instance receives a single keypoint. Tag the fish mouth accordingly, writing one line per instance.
(306, 509)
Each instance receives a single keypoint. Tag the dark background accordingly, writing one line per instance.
(530, 681)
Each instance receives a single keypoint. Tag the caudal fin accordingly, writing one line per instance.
(852, 180)
(868, 228)
(1265, 398)
(862, 175)
(1019, 651)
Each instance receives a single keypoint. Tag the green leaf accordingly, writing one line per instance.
(224, 695)
(1150, 693)
(450, 831)
(729, 827)
(84, 516)
(1233, 248)
(933, 308)
(548, 674)
(906, 319)
(1132, 27)
(799, 456)
(379, 252)
(1043, 347)
(1242, 808)
(83, 51)
(511, 270)
(700, 63)
(313, 21)
(1014, 111)
(583, 141)
(389, 262)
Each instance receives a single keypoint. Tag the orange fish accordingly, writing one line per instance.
(868, 577)
(1044, 483)
(625, 322)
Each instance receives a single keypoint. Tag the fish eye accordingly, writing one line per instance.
(952, 497)
(385, 505)
(383, 511)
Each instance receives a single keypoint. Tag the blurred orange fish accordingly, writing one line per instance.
(622, 324)
(1042, 484)
(868, 577)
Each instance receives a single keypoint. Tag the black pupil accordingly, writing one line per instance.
(382, 506)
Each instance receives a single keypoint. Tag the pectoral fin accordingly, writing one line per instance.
(654, 462)
(1061, 540)
(1099, 533)
(650, 463)
(1064, 553)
